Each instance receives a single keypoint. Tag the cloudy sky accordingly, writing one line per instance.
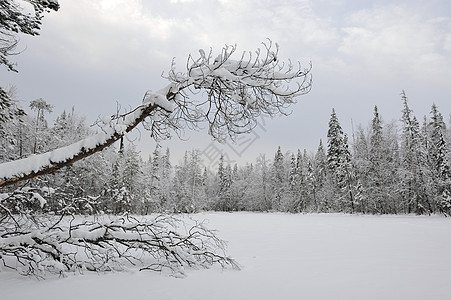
(92, 54)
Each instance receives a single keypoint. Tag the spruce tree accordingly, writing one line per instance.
(12, 119)
(278, 180)
(334, 143)
(294, 183)
(414, 171)
(346, 178)
(377, 164)
(224, 177)
(319, 178)
(438, 155)
(335, 159)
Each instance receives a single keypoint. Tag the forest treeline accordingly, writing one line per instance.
(399, 167)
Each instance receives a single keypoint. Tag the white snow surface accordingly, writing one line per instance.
(313, 256)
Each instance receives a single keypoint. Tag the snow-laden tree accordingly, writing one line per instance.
(12, 118)
(278, 180)
(334, 142)
(361, 156)
(294, 186)
(415, 182)
(376, 164)
(378, 187)
(224, 200)
(257, 196)
(438, 156)
(318, 178)
(300, 187)
(243, 181)
(238, 92)
(166, 173)
(41, 107)
(335, 148)
(188, 192)
(154, 197)
(347, 179)
(15, 19)
(343, 185)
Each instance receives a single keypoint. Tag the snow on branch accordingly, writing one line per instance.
(237, 92)
(49, 162)
(71, 245)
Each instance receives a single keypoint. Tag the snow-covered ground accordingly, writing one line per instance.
(286, 257)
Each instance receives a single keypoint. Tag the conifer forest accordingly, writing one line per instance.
(400, 167)
(362, 214)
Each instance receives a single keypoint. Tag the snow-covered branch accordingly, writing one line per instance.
(49, 162)
(238, 91)
(107, 245)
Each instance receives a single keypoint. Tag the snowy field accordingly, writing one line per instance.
(286, 257)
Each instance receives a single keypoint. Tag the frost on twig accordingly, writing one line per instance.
(235, 91)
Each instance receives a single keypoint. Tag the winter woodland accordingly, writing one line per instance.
(400, 167)
(48, 182)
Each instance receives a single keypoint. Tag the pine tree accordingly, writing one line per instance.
(414, 186)
(132, 178)
(239, 187)
(346, 178)
(155, 179)
(222, 184)
(41, 107)
(10, 109)
(166, 181)
(261, 199)
(278, 180)
(335, 159)
(198, 197)
(361, 158)
(294, 179)
(438, 155)
(115, 203)
(12, 118)
(319, 179)
(377, 188)
(230, 202)
(224, 178)
(334, 143)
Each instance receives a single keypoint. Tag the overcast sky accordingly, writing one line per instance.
(93, 54)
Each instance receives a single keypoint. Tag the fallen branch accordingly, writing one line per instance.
(108, 245)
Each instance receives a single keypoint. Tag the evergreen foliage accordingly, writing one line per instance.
(379, 173)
